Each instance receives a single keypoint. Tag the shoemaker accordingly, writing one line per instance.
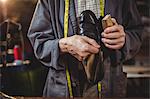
(55, 34)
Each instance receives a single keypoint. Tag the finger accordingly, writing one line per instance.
(113, 41)
(114, 21)
(89, 48)
(112, 35)
(79, 54)
(84, 54)
(91, 41)
(119, 46)
(78, 57)
(111, 29)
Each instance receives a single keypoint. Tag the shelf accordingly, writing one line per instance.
(3, 43)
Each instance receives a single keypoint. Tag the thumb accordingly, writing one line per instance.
(114, 21)
(91, 41)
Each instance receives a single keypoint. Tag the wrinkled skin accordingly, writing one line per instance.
(82, 46)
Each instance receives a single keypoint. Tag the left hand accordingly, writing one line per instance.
(114, 37)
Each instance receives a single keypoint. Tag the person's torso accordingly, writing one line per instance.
(59, 83)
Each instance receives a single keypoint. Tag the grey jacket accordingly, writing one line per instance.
(47, 28)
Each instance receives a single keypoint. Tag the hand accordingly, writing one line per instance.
(79, 46)
(114, 37)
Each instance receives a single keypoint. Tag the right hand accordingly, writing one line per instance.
(79, 46)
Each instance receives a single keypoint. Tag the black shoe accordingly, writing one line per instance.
(91, 27)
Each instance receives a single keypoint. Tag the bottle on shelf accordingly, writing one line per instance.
(18, 60)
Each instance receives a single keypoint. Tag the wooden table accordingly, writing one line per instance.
(137, 71)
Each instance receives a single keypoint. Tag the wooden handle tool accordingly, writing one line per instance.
(107, 21)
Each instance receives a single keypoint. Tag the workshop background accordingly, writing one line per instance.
(23, 75)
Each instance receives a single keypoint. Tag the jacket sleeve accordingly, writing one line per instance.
(41, 35)
(133, 29)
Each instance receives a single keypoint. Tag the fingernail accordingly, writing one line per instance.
(105, 31)
(98, 46)
(103, 40)
(102, 34)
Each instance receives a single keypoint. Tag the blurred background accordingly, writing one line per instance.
(22, 75)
